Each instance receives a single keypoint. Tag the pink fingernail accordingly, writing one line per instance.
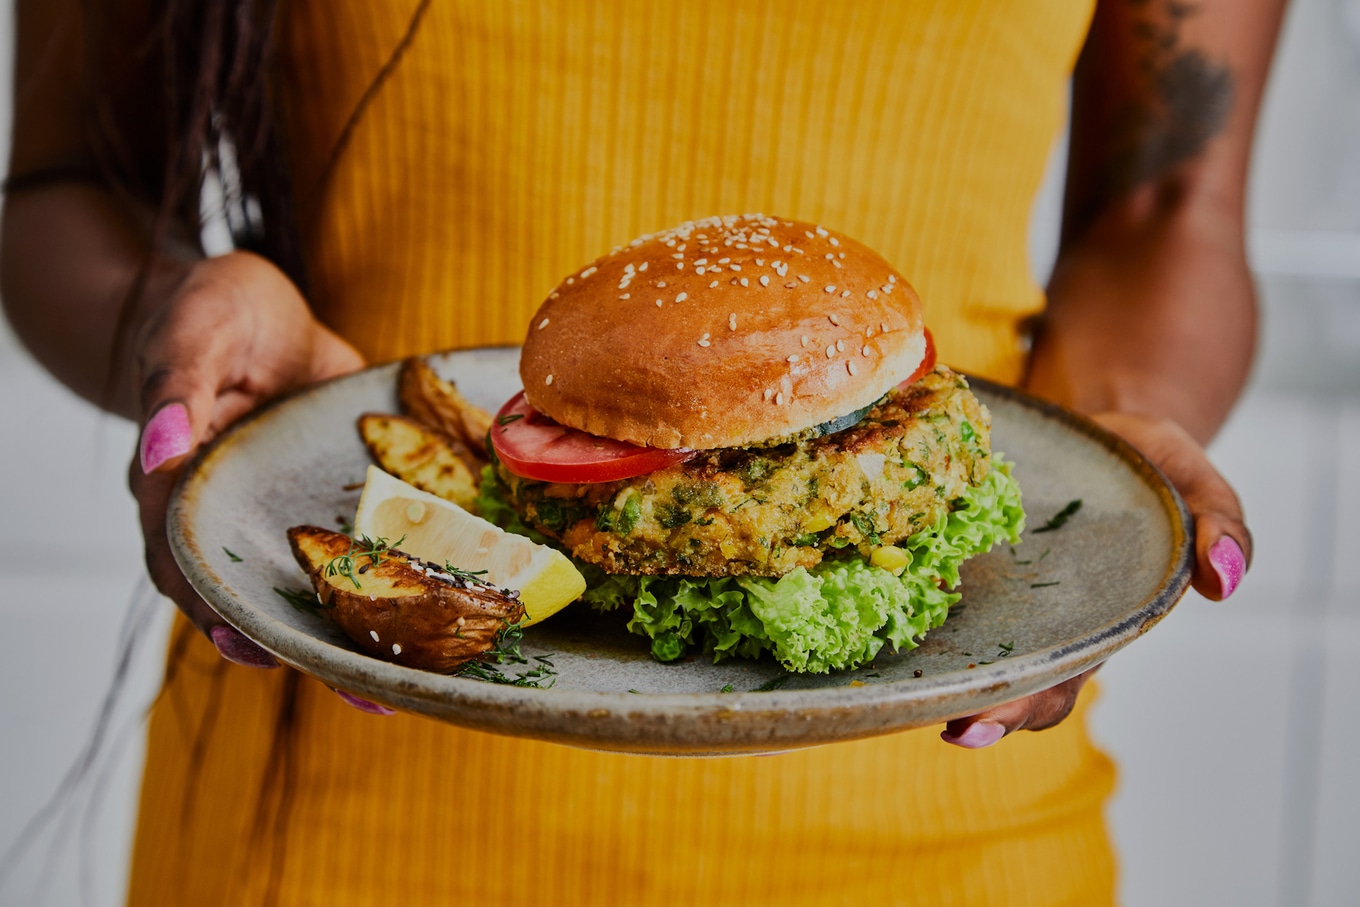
(976, 735)
(1229, 563)
(364, 705)
(235, 648)
(166, 436)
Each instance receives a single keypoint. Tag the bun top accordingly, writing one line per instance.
(723, 332)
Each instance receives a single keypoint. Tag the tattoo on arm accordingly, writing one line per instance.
(1183, 104)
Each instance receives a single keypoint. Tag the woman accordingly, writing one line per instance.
(419, 174)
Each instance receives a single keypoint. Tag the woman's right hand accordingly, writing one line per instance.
(234, 334)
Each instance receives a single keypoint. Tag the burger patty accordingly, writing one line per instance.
(766, 511)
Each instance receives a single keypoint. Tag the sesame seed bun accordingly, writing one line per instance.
(724, 332)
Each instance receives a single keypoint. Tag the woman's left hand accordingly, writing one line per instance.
(1222, 553)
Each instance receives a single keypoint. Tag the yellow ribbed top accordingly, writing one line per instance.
(512, 142)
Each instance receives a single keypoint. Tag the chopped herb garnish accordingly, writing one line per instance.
(1006, 647)
(1061, 517)
(772, 684)
(508, 418)
(727, 688)
(235, 558)
(1042, 585)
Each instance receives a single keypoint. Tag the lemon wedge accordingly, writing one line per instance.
(438, 531)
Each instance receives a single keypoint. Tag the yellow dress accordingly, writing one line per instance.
(507, 143)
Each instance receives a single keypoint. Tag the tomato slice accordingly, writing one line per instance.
(927, 363)
(533, 446)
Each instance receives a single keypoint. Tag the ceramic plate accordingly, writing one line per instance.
(1030, 616)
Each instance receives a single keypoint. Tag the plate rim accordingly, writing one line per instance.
(654, 722)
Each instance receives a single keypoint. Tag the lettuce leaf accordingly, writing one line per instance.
(836, 616)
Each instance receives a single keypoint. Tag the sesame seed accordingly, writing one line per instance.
(554, 295)
(701, 261)
(745, 282)
(842, 255)
(396, 648)
(831, 288)
(660, 284)
(830, 256)
(678, 255)
(844, 294)
(571, 280)
(760, 262)
(461, 621)
(821, 231)
(642, 267)
(835, 241)
(658, 303)
(767, 395)
(840, 346)
(735, 267)
(588, 271)
(542, 324)
(886, 288)
(764, 280)
(892, 278)
(700, 269)
(713, 284)
(807, 234)
(786, 249)
(680, 266)
(548, 380)
(868, 332)
(374, 634)
(851, 367)
(626, 296)
(703, 342)
(865, 351)
(793, 358)
(831, 352)
(681, 297)
(779, 399)
(883, 327)
(723, 261)
(834, 318)
(790, 286)
(803, 340)
(872, 294)
(804, 278)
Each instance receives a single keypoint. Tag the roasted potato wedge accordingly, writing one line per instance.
(420, 455)
(396, 608)
(430, 399)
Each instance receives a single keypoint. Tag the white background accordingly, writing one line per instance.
(1236, 725)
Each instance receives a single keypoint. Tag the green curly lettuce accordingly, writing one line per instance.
(836, 616)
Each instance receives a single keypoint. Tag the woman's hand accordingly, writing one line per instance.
(234, 334)
(1222, 552)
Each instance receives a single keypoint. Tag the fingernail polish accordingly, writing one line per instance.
(166, 436)
(976, 735)
(1229, 563)
(364, 705)
(235, 648)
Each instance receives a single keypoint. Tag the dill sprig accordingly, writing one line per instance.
(365, 547)
(302, 600)
(506, 650)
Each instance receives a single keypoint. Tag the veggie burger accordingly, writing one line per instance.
(738, 428)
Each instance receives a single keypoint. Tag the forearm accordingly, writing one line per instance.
(1153, 312)
(1151, 306)
(69, 255)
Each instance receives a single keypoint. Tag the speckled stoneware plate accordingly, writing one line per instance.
(1030, 617)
